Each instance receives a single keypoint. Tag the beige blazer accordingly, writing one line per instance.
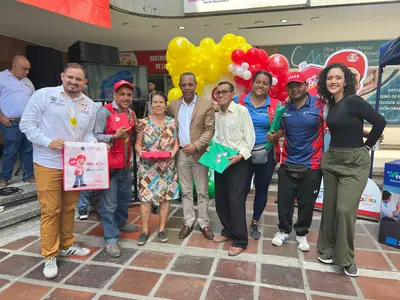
(202, 125)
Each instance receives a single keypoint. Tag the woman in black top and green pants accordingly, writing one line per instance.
(345, 166)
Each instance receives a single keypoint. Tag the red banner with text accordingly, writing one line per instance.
(95, 12)
(154, 60)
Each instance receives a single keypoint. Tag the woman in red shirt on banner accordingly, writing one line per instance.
(263, 161)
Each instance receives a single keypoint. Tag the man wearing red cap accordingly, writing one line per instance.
(299, 175)
(114, 125)
(53, 116)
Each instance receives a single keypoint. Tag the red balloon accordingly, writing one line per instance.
(278, 64)
(254, 69)
(238, 56)
(253, 56)
(265, 65)
(282, 96)
(263, 55)
(247, 88)
(240, 80)
(274, 92)
(282, 79)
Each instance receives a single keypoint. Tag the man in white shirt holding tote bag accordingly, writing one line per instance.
(53, 116)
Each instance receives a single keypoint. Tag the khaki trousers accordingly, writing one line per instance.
(57, 211)
(345, 172)
(189, 169)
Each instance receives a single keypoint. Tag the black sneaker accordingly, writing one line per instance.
(351, 270)
(163, 236)
(143, 238)
(255, 231)
(83, 214)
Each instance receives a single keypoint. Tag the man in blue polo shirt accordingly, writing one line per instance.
(299, 175)
(15, 91)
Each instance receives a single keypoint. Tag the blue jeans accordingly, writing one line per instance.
(15, 142)
(262, 179)
(79, 180)
(114, 204)
(83, 200)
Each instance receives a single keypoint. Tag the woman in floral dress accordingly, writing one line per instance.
(158, 179)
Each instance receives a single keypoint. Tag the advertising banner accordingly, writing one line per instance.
(202, 6)
(103, 77)
(389, 227)
(155, 61)
(362, 58)
(370, 202)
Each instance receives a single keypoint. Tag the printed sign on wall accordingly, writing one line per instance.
(202, 6)
(362, 58)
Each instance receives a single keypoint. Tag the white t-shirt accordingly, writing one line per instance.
(386, 211)
(47, 117)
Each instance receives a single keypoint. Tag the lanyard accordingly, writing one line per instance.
(73, 122)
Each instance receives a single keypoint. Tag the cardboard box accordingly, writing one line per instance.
(389, 227)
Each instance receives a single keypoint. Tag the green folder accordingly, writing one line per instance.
(216, 158)
(276, 124)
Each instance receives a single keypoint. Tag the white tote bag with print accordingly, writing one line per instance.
(85, 166)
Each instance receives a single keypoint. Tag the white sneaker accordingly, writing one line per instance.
(280, 238)
(50, 268)
(304, 246)
(75, 249)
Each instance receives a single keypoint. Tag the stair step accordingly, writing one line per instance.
(18, 213)
(28, 191)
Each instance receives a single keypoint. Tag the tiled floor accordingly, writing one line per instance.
(196, 268)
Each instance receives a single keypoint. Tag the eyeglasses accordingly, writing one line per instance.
(224, 92)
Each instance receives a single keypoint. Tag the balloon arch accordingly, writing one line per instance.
(231, 59)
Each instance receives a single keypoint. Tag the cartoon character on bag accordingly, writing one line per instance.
(79, 163)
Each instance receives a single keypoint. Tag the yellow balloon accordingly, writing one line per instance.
(175, 81)
(178, 47)
(169, 58)
(216, 50)
(173, 94)
(229, 40)
(192, 46)
(200, 87)
(241, 40)
(225, 62)
(214, 72)
(207, 44)
(246, 47)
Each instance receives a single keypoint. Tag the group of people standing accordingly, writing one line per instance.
(344, 167)
(184, 128)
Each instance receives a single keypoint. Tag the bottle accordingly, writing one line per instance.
(377, 146)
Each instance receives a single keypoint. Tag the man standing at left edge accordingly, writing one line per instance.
(15, 91)
(53, 116)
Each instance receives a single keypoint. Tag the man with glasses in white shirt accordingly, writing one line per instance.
(53, 116)
(233, 129)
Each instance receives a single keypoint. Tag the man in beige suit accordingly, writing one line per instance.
(195, 122)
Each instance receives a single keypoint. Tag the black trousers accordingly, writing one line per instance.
(305, 190)
(230, 202)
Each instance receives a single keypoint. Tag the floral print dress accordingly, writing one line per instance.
(158, 179)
